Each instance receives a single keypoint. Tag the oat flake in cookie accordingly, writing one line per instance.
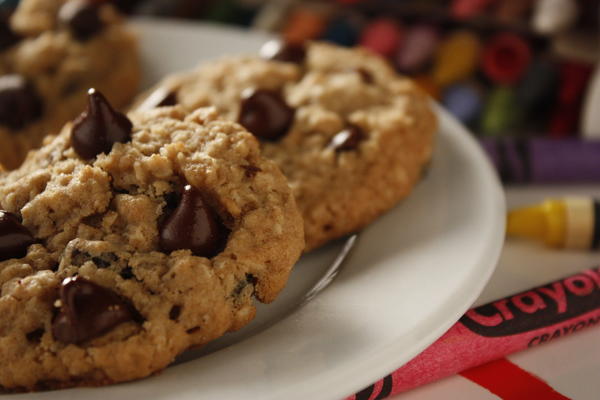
(351, 135)
(51, 52)
(127, 240)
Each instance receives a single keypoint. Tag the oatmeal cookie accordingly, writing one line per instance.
(51, 52)
(125, 241)
(351, 135)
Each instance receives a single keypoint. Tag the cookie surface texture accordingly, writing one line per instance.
(51, 52)
(113, 265)
(351, 135)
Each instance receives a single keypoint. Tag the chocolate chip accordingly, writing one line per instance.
(159, 98)
(193, 330)
(347, 139)
(127, 273)
(88, 311)
(174, 312)
(35, 336)
(365, 75)
(99, 127)
(20, 103)
(281, 50)
(14, 237)
(265, 114)
(251, 170)
(82, 17)
(7, 37)
(100, 263)
(193, 225)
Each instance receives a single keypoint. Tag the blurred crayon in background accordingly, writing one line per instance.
(457, 57)
(544, 160)
(420, 43)
(383, 36)
(505, 58)
(464, 100)
(462, 9)
(519, 68)
(499, 114)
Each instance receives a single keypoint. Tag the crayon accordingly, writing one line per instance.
(457, 57)
(544, 160)
(492, 331)
(511, 11)
(499, 113)
(382, 36)
(464, 101)
(463, 9)
(573, 81)
(578, 46)
(590, 120)
(341, 31)
(554, 16)
(420, 43)
(570, 222)
(505, 58)
(304, 24)
(537, 88)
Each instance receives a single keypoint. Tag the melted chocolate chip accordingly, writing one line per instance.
(82, 17)
(347, 139)
(20, 103)
(99, 127)
(265, 114)
(88, 311)
(280, 50)
(7, 37)
(14, 237)
(193, 225)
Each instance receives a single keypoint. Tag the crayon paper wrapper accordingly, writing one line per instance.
(497, 329)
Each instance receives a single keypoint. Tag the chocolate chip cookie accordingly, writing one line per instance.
(51, 52)
(351, 135)
(126, 240)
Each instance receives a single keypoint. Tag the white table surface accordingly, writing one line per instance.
(570, 365)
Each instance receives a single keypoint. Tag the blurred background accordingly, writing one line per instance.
(505, 68)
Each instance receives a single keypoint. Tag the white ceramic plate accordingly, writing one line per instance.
(410, 277)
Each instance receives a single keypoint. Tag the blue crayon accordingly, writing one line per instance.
(464, 101)
(543, 160)
(341, 31)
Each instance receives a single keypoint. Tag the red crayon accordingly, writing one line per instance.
(494, 330)
(573, 82)
(469, 8)
(505, 58)
(382, 36)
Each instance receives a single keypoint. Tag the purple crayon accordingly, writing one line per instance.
(419, 46)
(541, 160)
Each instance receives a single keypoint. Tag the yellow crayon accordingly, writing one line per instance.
(571, 222)
(456, 58)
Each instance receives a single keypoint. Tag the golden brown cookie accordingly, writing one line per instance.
(124, 242)
(351, 135)
(51, 52)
